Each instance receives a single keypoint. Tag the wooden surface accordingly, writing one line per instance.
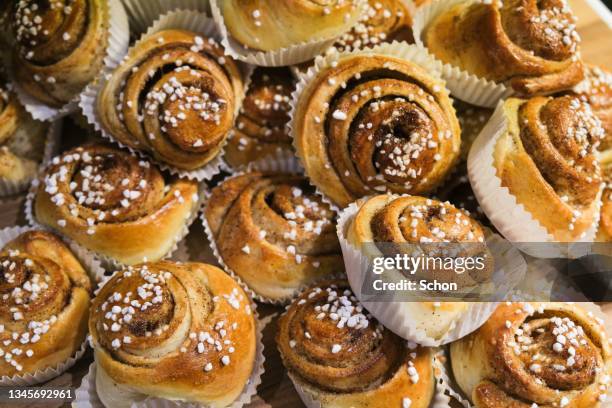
(276, 389)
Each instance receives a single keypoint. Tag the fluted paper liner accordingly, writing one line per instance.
(87, 396)
(396, 49)
(93, 268)
(282, 163)
(142, 13)
(52, 141)
(465, 86)
(440, 398)
(509, 216)
(393, 314)
(107, 261)
(179, 19)
(118, 40)
(291, 55)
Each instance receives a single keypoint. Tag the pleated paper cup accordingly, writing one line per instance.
(509, 216)
(465, 86)
(53, 139)
(291, 55)
(143, 13)
(87, 395)
(396, 49)
(440, 398)
(189, 20)
(118, 40)
(401, 316)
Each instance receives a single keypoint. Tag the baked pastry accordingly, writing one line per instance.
(382, 21)
(107, 200)
(261, 127)
(44, 304)
(174, 96)
(458, 191)
(534, 354)
(60, 47)
(339, 356)
(388, 225)
(546, 159)
(181, 332)
(22, 141)
(273, 231)
(257, 24)
(528, 45)
(596, 89)
(375, 123)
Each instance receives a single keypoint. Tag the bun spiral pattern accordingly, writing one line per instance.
(530, 45)
(60, 46)
(375, 123)
(107, 200)
(175, 96)
(182, 332)
(544, 354)
(261, 127)
(547, 158)
(44, 302)
(274, 232)
(341, 356)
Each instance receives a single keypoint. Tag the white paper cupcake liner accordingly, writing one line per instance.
(395, 316)
(440, 398)
(401, 50)
(53, 139)
(179, 19)
(280, 163)
(143, 13)
(294, 54)
(509, 216)
(87, 396)
(108, 262)
(118, 40)
(465, 86)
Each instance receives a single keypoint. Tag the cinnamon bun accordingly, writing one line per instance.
(375, 123)
(107, 200)
(174, 96)
(60, 46)
(531, 46)
(274, 232)
(339, 356)
(44, 304)
(540, 354)
(261, 127)
(180, 332)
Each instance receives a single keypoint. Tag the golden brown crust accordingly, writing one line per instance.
(184, 114)
(256, 24)
(22, 138)
(60, 46)
(274, 232)
(261, 127)
(108, 200)
(375, 123)
(44, 300)
(335, 351)
(552, 354)
(151, 324)
(604, 231)
(546, 158)
(472, 119)
(530, 45)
